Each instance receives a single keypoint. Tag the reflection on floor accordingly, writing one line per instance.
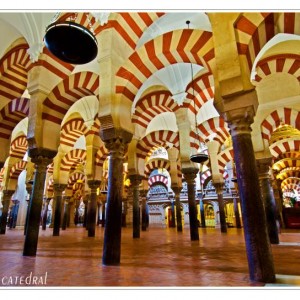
(160, 258)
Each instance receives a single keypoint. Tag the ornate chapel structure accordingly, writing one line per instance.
(109, 142)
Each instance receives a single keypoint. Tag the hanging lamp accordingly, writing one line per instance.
(70, 41)
(199, 157)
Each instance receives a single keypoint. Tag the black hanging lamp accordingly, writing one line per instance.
(70, 41)
(199, 157)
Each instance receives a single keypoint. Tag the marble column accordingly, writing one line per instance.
(72, 206)
(202, 212)
(7, 194)
(124, 213)
(45, 213)
(219, 189)
(57, 189)
(66, 212)
(92, 208)
(177, 191)
(135, 181)
(258, 247)
(103, 209)
(113, 222)
(144, 212)
(263, 167)
(190, 176)
(29, 190)
(236, 213)
(41, 158)
(85, 216)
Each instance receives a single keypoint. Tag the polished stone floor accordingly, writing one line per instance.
(159, 258)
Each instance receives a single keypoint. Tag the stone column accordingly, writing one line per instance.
(135, 181)
(92, 208)
(190, 175)
(41, 158)
(124, 213)
(236, 213)
(103, 213)
(219, 189)
(29, 190)
(144, 212)
(263, 166)
(98, 212)
(260, 259)
(7, 194)
(45, 213)
(177, 190)
(66, 216)
(85, 216)
(72, 205)
(57, 189)
(113, 223)
(202, 212)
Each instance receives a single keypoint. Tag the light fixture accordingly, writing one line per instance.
(70, 41)
(199, 157)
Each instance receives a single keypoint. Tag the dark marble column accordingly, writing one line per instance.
(135, 181)
(7, 194)
(29, 190)
(92, 207)
(260, 259)
(85, 216)
(219, 189)
(72, 206)
(45, 213)
(190, 175)
(177, 190)
(144, 211)
(66, 213)
(236, 213)
(98, 212)
(57, 189)
(202, 212)
(103, 209)
(124, 212)
(41, 158)
(113, 223)
(263, 166)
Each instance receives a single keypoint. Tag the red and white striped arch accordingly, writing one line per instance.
(287, 145)
(18, 147)
(206, 174)
(12, 114)
(290, 183)
(50, 168)
(288, 172)
(158, 179)
(16, 169)
(65, 94)
(191, 46)
(286, 163)
(157, 163)
(101, 156)
(130, 26)
(74, 178)
(71, 131)
(1, 175)
(162, 138)
(214, 129)
(225, 157)
(152, 105)
(200, 91)
(13, 72)
(286, 63)
(254, 30)
(286, 115)
(72, 159)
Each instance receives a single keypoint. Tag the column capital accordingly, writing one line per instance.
(239, 120)
(190, 174)
(176, 189)
(67, 199)
(263, 167)
(219, 186)
(7, 195)
(41, 157)
(59, 188)
(135, 179)
(94, 184)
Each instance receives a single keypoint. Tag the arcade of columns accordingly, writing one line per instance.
(109, 108)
